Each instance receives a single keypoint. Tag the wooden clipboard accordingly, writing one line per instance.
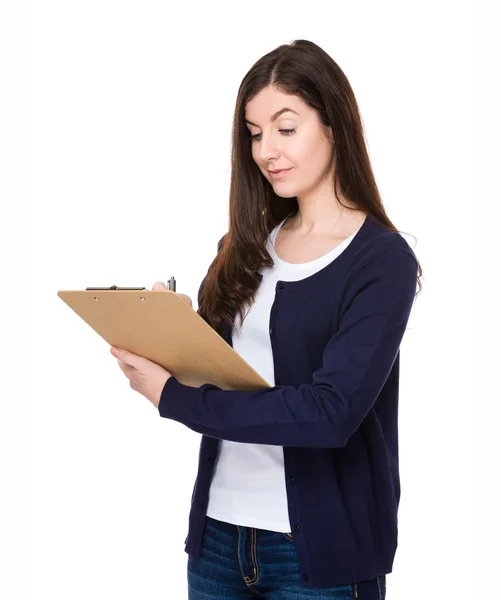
(162, 327)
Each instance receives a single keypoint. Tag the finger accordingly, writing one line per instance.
(159, 285)
(127, 369)
(186, 299)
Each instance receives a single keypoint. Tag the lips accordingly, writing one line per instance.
(280, 173)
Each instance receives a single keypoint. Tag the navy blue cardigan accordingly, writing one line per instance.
(335, 338)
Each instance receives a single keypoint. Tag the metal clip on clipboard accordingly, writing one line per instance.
(171, 285)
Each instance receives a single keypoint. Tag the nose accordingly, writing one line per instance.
(269, 150)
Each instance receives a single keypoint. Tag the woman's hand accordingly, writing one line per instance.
(145, 376)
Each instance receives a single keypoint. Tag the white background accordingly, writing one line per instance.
(128, 108)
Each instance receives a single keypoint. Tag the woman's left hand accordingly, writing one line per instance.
(145, 376)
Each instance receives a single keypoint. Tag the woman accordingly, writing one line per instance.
(298, 484)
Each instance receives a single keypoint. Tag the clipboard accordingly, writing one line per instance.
(162, 327)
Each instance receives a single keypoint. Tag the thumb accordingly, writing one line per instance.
(125, 356)
(159, 285)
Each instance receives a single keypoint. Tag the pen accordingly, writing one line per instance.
(171, 284)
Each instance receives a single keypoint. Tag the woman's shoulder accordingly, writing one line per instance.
(379, 241)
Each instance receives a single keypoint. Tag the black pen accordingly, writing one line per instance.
(171, 284)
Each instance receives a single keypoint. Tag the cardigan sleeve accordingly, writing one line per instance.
(355, 365)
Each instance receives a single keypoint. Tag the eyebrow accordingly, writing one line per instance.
(275, 116)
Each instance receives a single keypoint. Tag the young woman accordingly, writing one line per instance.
(298, 486)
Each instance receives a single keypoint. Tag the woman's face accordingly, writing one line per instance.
(294, 141)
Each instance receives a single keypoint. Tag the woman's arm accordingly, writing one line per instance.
(356, 363)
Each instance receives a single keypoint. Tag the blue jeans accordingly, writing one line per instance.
(246, 562)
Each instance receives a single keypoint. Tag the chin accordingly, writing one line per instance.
(285, 195)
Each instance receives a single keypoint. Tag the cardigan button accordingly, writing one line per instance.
(306, 577)
(281, 285)
(272, 330)
(292, 480)
(297, 529)
(277, 381)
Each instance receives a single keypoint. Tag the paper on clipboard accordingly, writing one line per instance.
(163, 328)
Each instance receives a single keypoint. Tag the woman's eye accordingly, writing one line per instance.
(285, 132)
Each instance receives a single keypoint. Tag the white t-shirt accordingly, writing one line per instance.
(248, 485)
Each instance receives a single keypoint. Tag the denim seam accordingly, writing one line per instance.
(253, 580)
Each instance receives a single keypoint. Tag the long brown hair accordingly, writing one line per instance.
(301, 68)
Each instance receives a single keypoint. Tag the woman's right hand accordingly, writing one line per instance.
(159, 286)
